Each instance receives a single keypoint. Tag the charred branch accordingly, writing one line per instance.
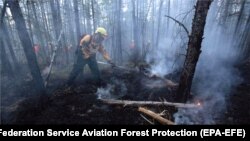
(180, 23)
(151, 103)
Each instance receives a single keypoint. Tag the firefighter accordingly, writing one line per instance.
(86, 54)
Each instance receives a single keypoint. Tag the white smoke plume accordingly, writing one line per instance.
(215, 75)
(115, 90)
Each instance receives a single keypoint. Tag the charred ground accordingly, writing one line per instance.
(80, 104)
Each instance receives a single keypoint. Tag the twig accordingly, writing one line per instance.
(155, 116)
(181, 24)
(143, 103)
(150, 122)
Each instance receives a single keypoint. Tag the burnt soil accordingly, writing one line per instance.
(79, 103)
(238, 105)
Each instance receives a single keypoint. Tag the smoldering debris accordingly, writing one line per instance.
(115, 90)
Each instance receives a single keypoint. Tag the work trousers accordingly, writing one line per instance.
(79, 65)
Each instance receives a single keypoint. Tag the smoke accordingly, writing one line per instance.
(162, 59)
(104, 93)
(45, 71)
(215, 75)
(168, 56)
(115, 90)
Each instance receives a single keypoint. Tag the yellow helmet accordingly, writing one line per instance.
(102, 31)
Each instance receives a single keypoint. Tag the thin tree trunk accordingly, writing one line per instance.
(38, 30)
(29, 23)
(240, 17)
(27, 45)
(77, 22)
(7, 38)
(56, 18)
(88, 17)
(135, 53)
(119, 34)
(45, 21)
(57, 22)
(153, 24)
(10, 47)
(245, 42)
(84, 15)
(225, 12)
(159, 24)
(5, 63)
(169, 5)
(93, 14)
(70, 30)
(194, 50)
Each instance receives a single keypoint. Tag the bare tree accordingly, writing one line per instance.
(194, 50)
(159, 24)
(119, 34)
(93, 14)
(78, 34)
(6, 37)
(5, 63)
(27, 45)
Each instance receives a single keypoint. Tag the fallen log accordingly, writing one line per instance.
(156, 116)
(143, 103)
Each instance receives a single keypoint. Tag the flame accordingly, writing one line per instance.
(199, 104)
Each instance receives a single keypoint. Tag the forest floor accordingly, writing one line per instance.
(238, 105)
(80, 103)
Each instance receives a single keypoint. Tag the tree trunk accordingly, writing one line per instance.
(119, 32)
(169, 5)
(57, 22)
(240, 17)
(29, 23)
(88, 17)
(7, 38)
(27, 45)
(194, 50)
(5, 63)
(135, 53)
(77, 22)
(93, 14)
(38, 32)
(45, 24)
(56, 18)
(159, 24)
(10, 47)
(245, 42)
(68, 18)
(153, 24)
(84, 15)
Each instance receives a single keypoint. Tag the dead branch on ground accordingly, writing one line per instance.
(151, 103)
(155, 116)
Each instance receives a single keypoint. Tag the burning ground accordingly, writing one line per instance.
(81, 104)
